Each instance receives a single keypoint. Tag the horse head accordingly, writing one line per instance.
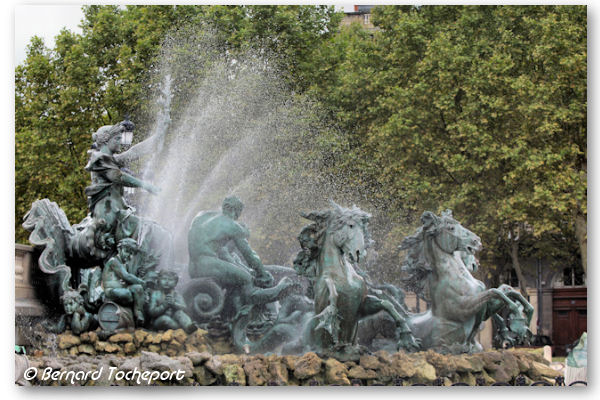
(449, 234)
(349, 230)
(469, 260)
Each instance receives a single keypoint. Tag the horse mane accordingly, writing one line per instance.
(311, 240)
(416, 268)
(311, 237)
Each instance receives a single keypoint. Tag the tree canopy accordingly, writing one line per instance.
(481, 109)
(64, 94)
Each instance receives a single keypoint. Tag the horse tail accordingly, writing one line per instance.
(50, 229)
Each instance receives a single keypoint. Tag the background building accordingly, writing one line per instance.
(361, 15)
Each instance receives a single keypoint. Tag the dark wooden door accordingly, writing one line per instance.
(569, 317)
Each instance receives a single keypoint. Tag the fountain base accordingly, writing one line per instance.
(197, 357)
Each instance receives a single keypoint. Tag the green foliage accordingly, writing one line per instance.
(291, 32)
(475, 108)
(62, 95)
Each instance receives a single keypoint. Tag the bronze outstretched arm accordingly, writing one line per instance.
(142, 148)
(125, 179)
(129, 180)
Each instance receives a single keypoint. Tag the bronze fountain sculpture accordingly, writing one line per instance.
(459, 302)
(337, 238)
(114, 270)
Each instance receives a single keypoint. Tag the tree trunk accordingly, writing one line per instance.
(514, 255)
(581, 234)
(581, 224)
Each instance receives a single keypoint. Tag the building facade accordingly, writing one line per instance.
(360, 15)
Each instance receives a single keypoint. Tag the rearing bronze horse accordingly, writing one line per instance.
(337, 238)
(459, 302)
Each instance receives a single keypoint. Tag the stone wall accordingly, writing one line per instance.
(26, 301)
(196, 355)
(27, 305)
(170, 343)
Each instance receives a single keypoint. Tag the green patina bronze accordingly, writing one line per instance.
(219, 251)
(577, 358)
(120, 285)
(210, 236)
(75, 316)
(459, 302)
(121, 265)
(124, 245)
(336, 239)
(166, 307)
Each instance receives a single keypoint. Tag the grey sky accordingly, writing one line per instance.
(45, 21)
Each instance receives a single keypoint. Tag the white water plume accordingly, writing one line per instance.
(239, 131)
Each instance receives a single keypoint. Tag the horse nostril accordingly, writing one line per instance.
(476, 244)
(357, 256)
